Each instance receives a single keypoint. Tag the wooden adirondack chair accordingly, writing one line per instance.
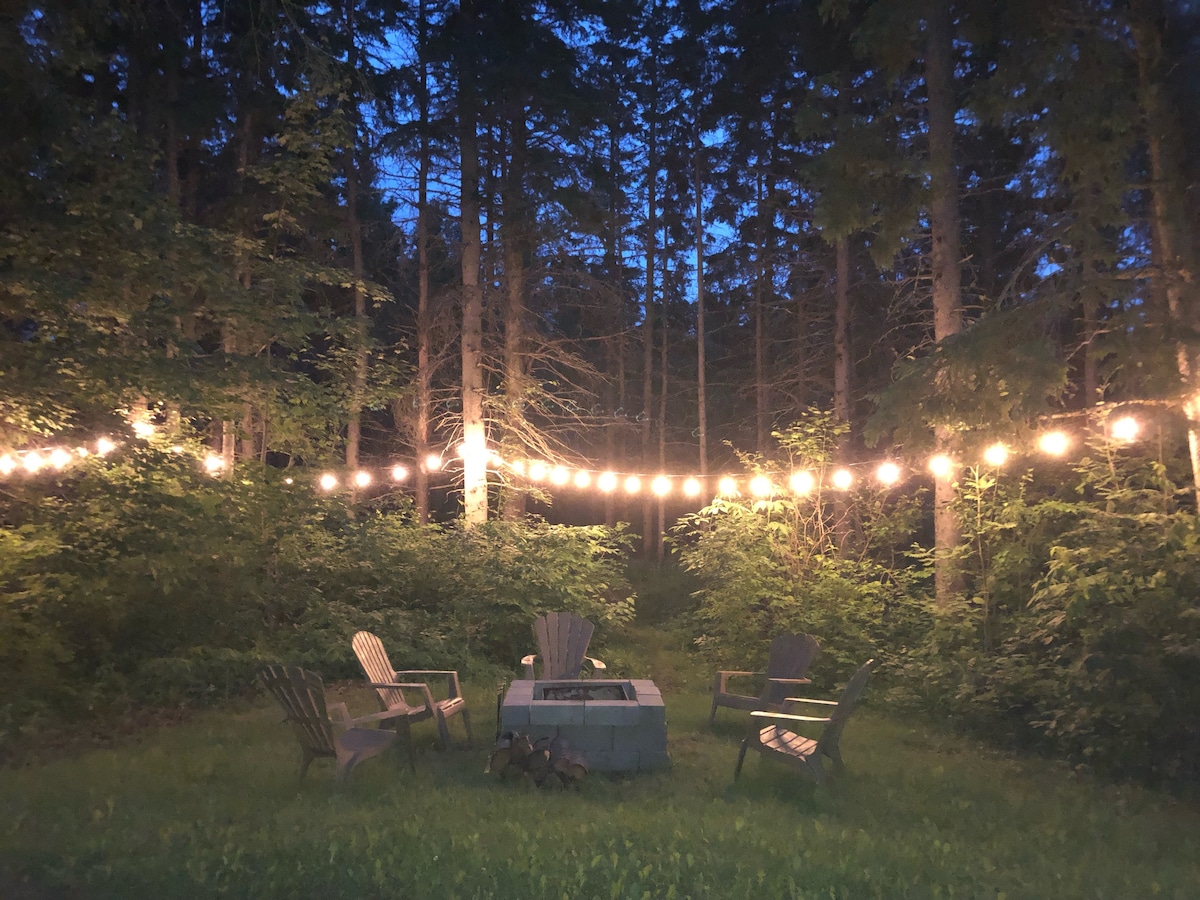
(390, 686)
(806, 754)
(302, 696)
(563, 640)
(787, 664)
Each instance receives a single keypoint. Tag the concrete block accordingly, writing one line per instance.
(611, 712)
(556, 712)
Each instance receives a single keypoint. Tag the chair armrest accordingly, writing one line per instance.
(527, 662)
(723, 676)
(787, 717)
(596, 664)
(452, 685)
(372, 717)
(342, 713)
(790, 680)
(811, 700)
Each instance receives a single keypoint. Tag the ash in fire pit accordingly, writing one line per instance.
(582, 692)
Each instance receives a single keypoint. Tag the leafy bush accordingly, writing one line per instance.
(140, 579)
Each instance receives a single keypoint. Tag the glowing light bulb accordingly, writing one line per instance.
(176, 449)
(59, 457)
(104, 446)
(361, 478)
(7, 464)
(32, 462)
(760, 486)
(142, 428)
(433, 463)
(842, 479)
(802, 483)
(518, 466)
(1125, 429)
(537, 471)
(559, 476)
(727, 487)
(607, 482)
(328, 481)
(941, 466)
(399, 473)
(213, 464)
(691, 487)
(582, 479)
(633, 484)
(996, 455)
(289, 480)
(81, 452)
(661, 486)
(1054, 443)
(888, 473)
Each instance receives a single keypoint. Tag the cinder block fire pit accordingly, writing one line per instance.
(619, 726)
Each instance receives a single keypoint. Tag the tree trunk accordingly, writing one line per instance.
(424, 387)
(475, 509)
(841, 331)
(651, 251)
(1171, 231)
(514, 227)
(946, 262)
(701, 367)
(760, 331)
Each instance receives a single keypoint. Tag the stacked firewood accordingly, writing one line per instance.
(546, 760)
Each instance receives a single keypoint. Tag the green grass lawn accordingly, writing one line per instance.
(213, 807)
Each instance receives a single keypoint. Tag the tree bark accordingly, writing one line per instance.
(701, 364)
(946, 258)
(475, 508)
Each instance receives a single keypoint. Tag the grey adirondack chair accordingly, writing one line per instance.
(788, 662)
(563, 640)
(776, 740)
(396, 689)
(302, 696)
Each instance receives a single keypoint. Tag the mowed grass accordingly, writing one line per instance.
(213, 808)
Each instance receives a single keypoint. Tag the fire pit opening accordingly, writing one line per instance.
(584, 692)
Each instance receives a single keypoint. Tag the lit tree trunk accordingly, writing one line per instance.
(651, 251)
(662, 411)
(841, 331)
(424, 326)
(1171, 233)
(616, 343)
(760, 331)
(701, 367)
(946, 261)
(474, 434)
(513, 240)
(359, 385)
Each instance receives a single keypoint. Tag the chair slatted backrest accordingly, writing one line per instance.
(302, 696)
(563, 640)
(847, 703)
(378, 669)
(790, 656)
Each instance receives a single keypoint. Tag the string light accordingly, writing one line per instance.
(692, 487)
(727, 487)
(888, 473)
(537, 471)
(213, 464)
(399, 473)
(518, 467)
(633, 484)
(59, 458)
(996, 455)
(582, 479)
(362, 478)
(941, 466)
(289, 480)
(32, 462)
(433, 463)
(559, 476)
(842, 479)
(1054, 443)
(760, 486)
(802, 483)
(607, 482)
(661, 486)
(1125, 429)
(104, 446)
(142, 428)
(7, 464)
(328, 481)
